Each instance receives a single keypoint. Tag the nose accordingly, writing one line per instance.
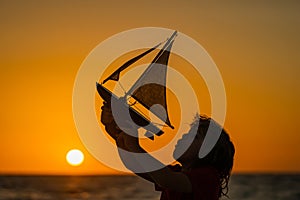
(184, 137)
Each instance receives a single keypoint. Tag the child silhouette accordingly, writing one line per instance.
(202, 179)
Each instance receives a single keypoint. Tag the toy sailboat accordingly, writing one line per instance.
(148, 90)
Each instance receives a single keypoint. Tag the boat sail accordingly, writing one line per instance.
(148, 90)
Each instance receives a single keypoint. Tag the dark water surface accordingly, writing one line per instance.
(242, 187)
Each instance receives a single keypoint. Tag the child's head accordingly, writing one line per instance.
(220, 157)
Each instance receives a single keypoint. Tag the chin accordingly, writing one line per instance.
(177, 154)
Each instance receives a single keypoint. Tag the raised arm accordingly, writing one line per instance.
(164, 177)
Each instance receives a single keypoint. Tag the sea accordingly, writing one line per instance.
(242, 187)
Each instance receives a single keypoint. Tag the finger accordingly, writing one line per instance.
(106, 115)
(121, 142)
(112, 131)
(105, 108)
(106, 118)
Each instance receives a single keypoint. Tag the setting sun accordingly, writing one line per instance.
(74, 157)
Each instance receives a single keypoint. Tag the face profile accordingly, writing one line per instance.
(187, 148)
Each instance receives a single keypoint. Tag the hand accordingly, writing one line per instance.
(108, 121)
(129, 142)
(106, 114)
(128, 138)
(126, 141)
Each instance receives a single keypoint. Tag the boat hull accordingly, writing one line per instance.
(140, 120)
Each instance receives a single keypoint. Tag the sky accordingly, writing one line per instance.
(255, 45)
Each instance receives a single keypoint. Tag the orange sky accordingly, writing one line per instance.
(43, 43)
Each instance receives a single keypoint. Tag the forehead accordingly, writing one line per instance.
(199, 127)
(194, 128)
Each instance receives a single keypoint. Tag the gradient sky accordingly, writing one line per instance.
(255, 44)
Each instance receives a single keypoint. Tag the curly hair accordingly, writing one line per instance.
(221, 156)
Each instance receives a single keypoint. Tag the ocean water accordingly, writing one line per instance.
(242, 187)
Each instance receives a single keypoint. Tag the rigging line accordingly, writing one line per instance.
(158, 56)
(125, 92)
(119, 82)
(160, 53)
(158, 124)
(163, 51)
(115, 75)
(141, 112)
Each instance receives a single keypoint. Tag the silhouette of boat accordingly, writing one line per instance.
(148, 90)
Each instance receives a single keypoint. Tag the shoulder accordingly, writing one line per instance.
(205, 182)
(203, 174)
(204, 170)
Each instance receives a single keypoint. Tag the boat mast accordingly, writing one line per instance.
(130, 91)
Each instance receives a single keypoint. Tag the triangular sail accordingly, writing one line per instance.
(115, 75)
(150, 87)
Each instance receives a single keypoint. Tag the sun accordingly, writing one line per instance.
(75, 157)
